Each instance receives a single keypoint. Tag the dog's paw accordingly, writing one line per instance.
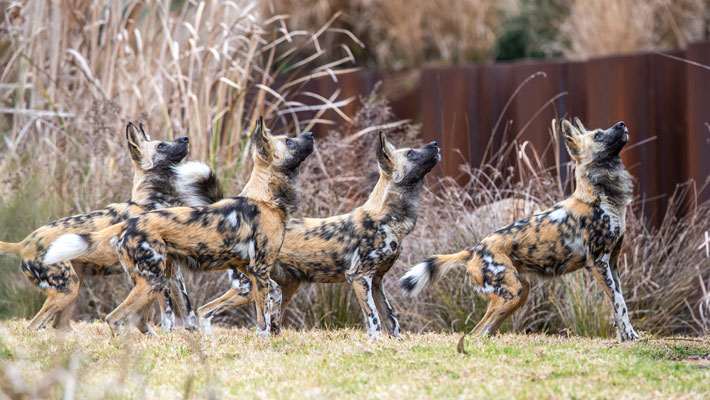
(263, 333)
(397, 336)
(627, 335)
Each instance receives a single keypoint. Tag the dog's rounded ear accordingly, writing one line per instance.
(579, 124)
(385, 156)
(570, 135)
(135, 142)
(145, 135)
(261, 141)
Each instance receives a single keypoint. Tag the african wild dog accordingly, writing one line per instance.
(157, 172)
(359, 247)
(585, 230)
(243, 232)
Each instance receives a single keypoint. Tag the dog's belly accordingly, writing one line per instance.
(320, 266)
(550, 258)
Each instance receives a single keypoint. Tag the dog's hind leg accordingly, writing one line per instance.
(495, 276)
(504, 305)
(143, 323)
(61, 284)
(609, 280)
(167, 307)
(238, 295)
(288, 289)
(143, 294)
(63, 319)
(384, 307)
(189, 318)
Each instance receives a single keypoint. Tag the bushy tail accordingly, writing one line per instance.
(431, 270)
(197, 184)
(10, 248)
(71, 245)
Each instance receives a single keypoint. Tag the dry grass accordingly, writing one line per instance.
(234, 363)
(75, 72)
(599, 27)
(402, 33)
(405, 33)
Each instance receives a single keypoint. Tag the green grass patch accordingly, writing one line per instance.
(345, 363)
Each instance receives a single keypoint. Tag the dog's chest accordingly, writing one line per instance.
(611, 219)
(384, 246)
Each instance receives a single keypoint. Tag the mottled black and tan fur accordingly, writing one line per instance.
(154, 186)
(243, 232)
(358, 247)
(585, 230)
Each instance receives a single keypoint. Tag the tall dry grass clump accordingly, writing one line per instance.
(75, 72)
(598, 27)
(405, 33)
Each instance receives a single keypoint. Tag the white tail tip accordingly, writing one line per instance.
(66, 247)
(188, 174)
(416, 279)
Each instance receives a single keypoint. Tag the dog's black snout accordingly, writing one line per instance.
(432, 144)
(620, 125)
(184, 139)
(308, 134)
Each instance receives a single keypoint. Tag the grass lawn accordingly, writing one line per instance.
(235, 363)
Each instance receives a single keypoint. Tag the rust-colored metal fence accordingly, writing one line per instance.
(656, 96)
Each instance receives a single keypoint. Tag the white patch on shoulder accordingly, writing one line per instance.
(66, 247)
(387, 249)
(614, 221)
(43, 284)
(576, 246)
(232, 219)
(558, 215)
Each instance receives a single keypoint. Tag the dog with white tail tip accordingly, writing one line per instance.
(584, 231)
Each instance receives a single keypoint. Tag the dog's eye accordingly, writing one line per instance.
(598, 137)
(410, 154)
(161, 146)
(290, 144)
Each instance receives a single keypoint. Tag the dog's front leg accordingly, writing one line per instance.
(259, 275)
(363, 291)
(604, 274)
(275, 297)
(384, 307)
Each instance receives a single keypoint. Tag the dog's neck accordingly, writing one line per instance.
(610, 184)
(154, 190)
(277, 189)
(394, 203)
